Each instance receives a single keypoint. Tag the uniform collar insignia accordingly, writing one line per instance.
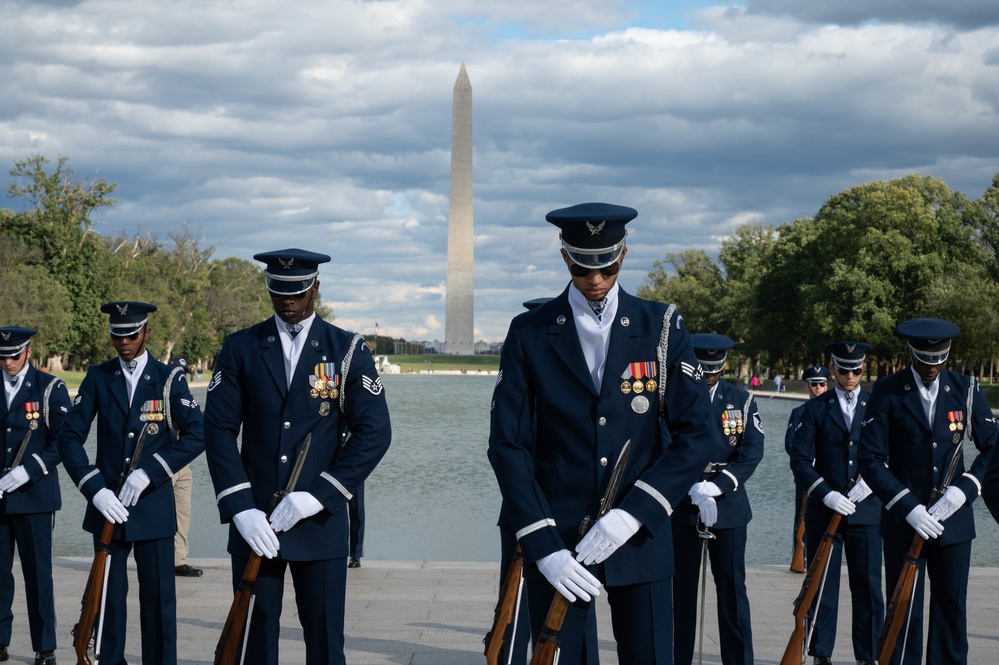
(595, 229)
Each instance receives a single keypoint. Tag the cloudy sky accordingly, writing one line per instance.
(326, 124)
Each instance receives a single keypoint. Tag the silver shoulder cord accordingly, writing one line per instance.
(345, 367)
(662, 354)
(166, 400)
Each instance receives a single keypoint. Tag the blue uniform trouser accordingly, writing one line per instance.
(641, 616)
(157, 602)
(947, 635)
(32, 534)
(355, 514)
(863, 562)
(727, 554)
(320, 588)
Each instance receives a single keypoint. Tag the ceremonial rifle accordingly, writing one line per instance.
(798, 558)
(899, 609)
(793, 653)
(20, 452)
(231, 647)
(547, 648)
(503, 614)
(96, 589)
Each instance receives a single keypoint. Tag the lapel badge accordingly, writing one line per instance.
(560, 320)
(270, 339)
(732, 440)
(625, 321)
(324, 408)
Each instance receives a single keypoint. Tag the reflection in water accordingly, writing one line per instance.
(434, 496)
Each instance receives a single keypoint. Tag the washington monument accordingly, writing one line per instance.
(458, 321)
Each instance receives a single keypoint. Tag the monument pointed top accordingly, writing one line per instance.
(462, 80)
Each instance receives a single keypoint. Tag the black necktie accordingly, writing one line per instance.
(848, 397)
(131, 365)
(927, 384)
(598, 307)
(13, 381)
(294, 329)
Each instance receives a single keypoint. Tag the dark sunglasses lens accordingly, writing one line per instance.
(854, 372)
(582, 271)
(282, 296)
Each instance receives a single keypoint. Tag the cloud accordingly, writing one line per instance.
(327, 124)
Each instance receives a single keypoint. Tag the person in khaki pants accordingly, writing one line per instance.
(183, 484)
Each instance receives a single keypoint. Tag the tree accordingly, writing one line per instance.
(695, 285)
(56, 220)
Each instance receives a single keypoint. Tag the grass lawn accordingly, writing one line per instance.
(438, 362)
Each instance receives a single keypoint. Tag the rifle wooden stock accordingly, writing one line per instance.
(547, 645)
(83, 631)
(798, 558)
(230, 645)
(806, 597)
(504, 609)
(898, 608)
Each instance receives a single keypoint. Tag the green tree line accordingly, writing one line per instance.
(873, 256)
(57, 270)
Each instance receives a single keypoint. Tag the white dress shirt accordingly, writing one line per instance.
(594, 333)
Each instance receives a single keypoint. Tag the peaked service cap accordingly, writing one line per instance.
(592, 234)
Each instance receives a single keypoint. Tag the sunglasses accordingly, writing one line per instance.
(295, 296)
(845, 372)
(134, 336)
(582, 271)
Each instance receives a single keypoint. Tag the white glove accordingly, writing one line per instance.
(252, 525)
(109, 505)
(136, 482)
(924, 524)
(703, 490)
(294, 507)
(14, 479)
(708, 510)
(945, 506)
(859, 492)
(609, 533)
(839, 503)
(568, 576)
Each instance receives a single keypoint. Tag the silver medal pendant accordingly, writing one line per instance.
(640, 404)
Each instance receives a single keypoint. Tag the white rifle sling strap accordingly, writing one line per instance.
(662, 354)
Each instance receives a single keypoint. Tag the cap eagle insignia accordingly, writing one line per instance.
(595, 229)
(6, 336)
(122, 309)
(286, 263)
(933, 341)
(850, 348)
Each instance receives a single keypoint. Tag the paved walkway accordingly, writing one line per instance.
(420, 613)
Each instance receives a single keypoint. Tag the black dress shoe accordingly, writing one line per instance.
(355, 562)
(3, 653)
(45, 658)
(866, 661)
(188, 571)
(823, 660)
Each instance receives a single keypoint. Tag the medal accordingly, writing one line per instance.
(625, 386)
(324, 393)
(313, 393)
(334, 393)
(154, 428)
(959, 417)
(638, 386)
(324, 408)
(732, 440)
(651, 385)
(640, 404)
(957, 438)
(952, 417)
(33, 424)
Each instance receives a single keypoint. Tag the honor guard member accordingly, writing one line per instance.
(824, 460)
(914, 422)
(579, 377)
(816, 382)
(290, 377)
(31, 412)
(719, 503)
(134, 397)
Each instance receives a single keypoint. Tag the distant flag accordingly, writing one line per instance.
(378, 331)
